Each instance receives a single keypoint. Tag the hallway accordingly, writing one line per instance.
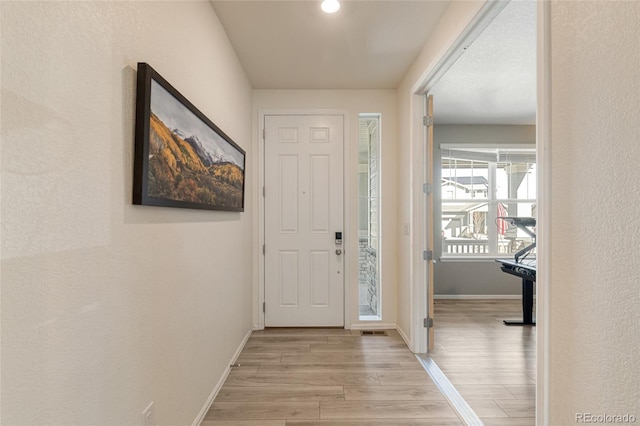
(340, 377)
(328, 376)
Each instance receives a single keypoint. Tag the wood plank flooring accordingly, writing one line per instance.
(307, 377)
(492, 365)
(315, 377)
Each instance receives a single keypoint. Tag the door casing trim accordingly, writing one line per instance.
(259, 298)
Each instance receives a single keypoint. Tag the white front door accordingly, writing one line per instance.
(304, 284)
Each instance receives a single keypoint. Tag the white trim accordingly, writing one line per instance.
(260, 219)
(406, 339)
(349, 252)
(497, 200)
(369, 317)
(381, 167)
(218, 386)
(477, 296)
(489, 145)
(473, 258)
(376, 326)
(418, 271)
(543, 228)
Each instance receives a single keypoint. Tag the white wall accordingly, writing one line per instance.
(409, 196)
(355, 102)
(482, 277)
(107, 306)
(594, 289)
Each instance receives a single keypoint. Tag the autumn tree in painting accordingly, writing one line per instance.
(177, 172)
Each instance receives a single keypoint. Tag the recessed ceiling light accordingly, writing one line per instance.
(330, 6)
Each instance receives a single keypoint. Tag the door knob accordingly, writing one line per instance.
(338, 252)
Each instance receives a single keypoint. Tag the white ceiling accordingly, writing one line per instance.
(294, 45)
(370, 44)
(494, 81)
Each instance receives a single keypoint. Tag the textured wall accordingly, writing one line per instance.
(595, 268)
(107, 306)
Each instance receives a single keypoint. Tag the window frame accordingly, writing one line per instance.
(373, 209)
(490, 200)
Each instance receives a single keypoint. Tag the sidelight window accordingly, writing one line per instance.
(369, 217)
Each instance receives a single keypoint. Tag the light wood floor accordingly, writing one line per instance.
(309, 377)
(492, 365)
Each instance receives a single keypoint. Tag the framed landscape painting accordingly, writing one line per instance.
(182, 159)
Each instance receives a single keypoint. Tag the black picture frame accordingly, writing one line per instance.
(182, 159)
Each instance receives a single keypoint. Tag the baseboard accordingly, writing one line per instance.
(373, 326)
(405, 338)
(218, 385)
(477, 296)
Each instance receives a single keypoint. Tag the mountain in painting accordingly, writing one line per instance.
(207, 157)
(182, 169)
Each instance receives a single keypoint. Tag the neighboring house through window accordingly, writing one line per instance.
(479, 185)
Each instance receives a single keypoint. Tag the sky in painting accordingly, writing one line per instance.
(176, 116)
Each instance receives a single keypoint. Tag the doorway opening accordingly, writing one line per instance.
(369, 285)
(483, 170)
